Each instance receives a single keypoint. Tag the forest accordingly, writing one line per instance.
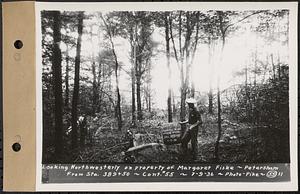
(113, 82)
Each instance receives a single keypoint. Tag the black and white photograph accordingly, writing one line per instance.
(168, 87)
(178, 86)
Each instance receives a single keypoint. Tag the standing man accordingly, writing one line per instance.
(191, 133)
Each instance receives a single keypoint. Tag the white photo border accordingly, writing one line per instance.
(175, 186)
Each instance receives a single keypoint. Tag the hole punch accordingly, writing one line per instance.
(18, 44)
(16, 147)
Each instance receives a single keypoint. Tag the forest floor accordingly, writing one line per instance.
(239, 143)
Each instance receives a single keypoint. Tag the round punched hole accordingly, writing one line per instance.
(18, 44)
(16, 147)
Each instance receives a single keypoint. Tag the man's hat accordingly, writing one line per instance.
(191, 101)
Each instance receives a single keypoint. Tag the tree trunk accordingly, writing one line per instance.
(273, 67)
(246, 92)
(149, 102)
(173, 104)
(182, 104)
(219, 125)
(255, 112)
(210, 100)
(95, 89)
(56, 67)
(188, 63)
(138, 97)
(183, 86)
(118, 108)
(182, 96)
(167, 38)
(193, 89)
(210, 94)
(218, 93)
(76, 83)
(184, 69)
(101, 73)
(118, 112)
(133, 48)
(149, 90)
(67, 80)
(279, 66)
(146, 99)
(190, 29)
(99, 87)
(179, 36)
(138, 70)
(138, 63)
(133, 96)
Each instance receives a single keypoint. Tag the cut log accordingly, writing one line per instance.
(142, 147)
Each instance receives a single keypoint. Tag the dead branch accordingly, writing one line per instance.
(244, 18)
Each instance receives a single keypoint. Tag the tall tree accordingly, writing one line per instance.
(161, 20)
(226, 20)
(95, 83)
(67, 79)
(211, 33)
(138, 75)
(100, 75)
(76, 82)
(126, 25)
(145, 46)
(57, 78)
(110, 35)
(210, 93)
(133, 42)
(223, 31)
(184, 23)
(167, 39)
(197, 21)
(68, 25)
(147, 88)
(137, 28)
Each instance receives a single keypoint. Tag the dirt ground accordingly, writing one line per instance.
(239, 143)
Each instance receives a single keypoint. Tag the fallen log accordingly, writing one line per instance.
(142, 147)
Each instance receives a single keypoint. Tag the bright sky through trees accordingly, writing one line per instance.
(240, 45)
